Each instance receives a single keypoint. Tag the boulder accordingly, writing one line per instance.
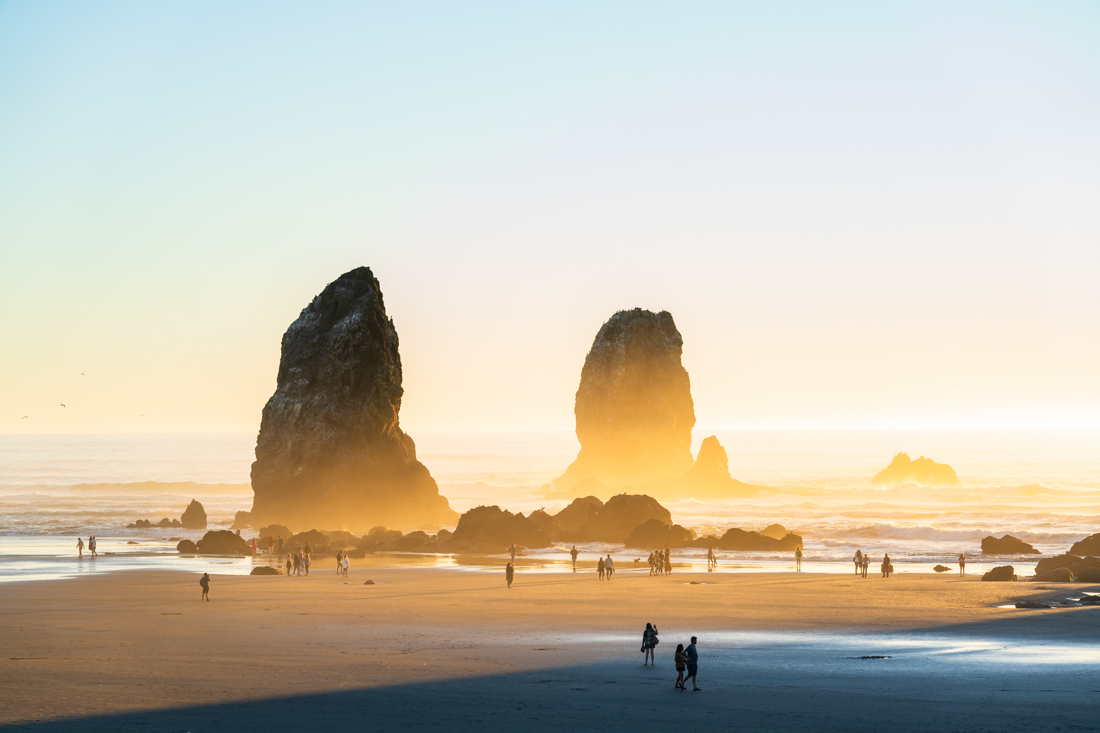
(775, 531)
(633, 407)
(655, 534)
(1090, 600)
(1031, 604)
(941, 568)
(194, 516)
(739, 539)
(187, 547)
(265, 570)
(492, 529)
(578, 513)
(1007, 545)
(546, 523)
(313, 538)
(1058, 575)
(1088, 546)
(330, 451)
(616, 519)
(242, 520)
(275, 531)
(223, 542)
(414, 541)
(340, 538)
(710, 477)
(1059, 561)
(1088, 575)
(381, 534)
(923, 472)
(1000, 574)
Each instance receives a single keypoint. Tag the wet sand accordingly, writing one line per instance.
(425, 649)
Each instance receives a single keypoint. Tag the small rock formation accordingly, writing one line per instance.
(491, 529)
(265, 570)
(1007, 545)
(275, 531)
(739, 539)
(1059, 561)
(578, 513)
(242, 520)
(313, 538)
(548, 524)
(1090, 600)
(146, 524)
(1058, 575)
(223, 542)
(634, 409)
(187, 547)
(414, 541)
(615, 520)
(1088, 575)
(1031, 604)
(655, 534)
(1000, 574)
(1088, 546)
(775, 531)
(710, 477)
(330, 451)
(941, 568)
(194, 516)
(923, 472)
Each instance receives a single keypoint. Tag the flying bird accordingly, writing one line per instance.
(143, 414)
(63, 405)
(26, 418)
(82, 374)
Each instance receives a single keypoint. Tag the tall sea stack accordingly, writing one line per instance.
(634, 409)
(330, 453)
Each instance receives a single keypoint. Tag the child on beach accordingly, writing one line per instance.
(204, 581)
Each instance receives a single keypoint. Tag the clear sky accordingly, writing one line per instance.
(859, 214)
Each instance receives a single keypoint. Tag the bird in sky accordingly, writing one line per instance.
(26, 418)
(82, 374)
(63, 405)
(143, 414)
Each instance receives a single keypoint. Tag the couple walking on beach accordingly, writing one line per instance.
(606, 568)
(91, 547)
(686, 660)
(862, 562)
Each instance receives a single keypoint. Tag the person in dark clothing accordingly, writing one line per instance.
(649, 644)
(509, 574)
(204, 581)
(681, 664)
(692, 664)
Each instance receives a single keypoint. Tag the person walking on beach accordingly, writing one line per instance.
(600, 567)
(345, 564)
(573, 554)
(865, 562)
(288, 565)
(609, 567)
(962, 564)
(253, 547)
(668, 560)
(91, 546)
(649, 643)
(80, 548)
(204, 581)
(279, 545)
(858, 560)
(680, 658)
(512, 552)
(306, 562)
(798, 559)
(692, 664)
(270, 546)
(712, 561)
(509, 574)
(887, 568)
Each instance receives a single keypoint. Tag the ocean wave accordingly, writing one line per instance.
(922, 532)
(136, 488)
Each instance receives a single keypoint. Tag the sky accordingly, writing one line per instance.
(860, 215)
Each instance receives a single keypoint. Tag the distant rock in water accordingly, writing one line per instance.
(146, 524)
(923, 472)
(330, 451)
(710, 477)
(547, 523)
(615, 520)
(654, 534)
(1088, 546)
(242, 520)
(775, 531)
(634, 409)
(1007, 545)
(739, 539)
(578, 513)
(194, 516)
(187, 547)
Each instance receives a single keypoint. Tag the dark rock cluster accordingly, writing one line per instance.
(1088, 546)
(194, 516)
(1007, 545)
(1000, 574)
(330, 450)
(923, 472)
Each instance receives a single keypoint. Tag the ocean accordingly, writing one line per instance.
(1042, 486)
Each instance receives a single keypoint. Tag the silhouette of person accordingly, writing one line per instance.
(962, 564)
(289, 564)
(866, 563)
(91, 546)
(204, 581)
(512, 552)
(692, 663)
(886, 566)
(649, 643)
(573, 554)
(712, 561)
(609, 567)
(681, 664)
(858, 560)
(80, 547)
(668, 560)
(798, 559)
(600, 567)
(509, 574)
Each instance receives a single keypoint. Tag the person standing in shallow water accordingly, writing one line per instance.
(573, 554)
(204, 581)
(798, 559)
(962, 564)
(509, 574)
(649, 643)
(91, 546)
(887, 568)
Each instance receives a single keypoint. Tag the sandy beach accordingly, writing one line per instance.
(138, 651)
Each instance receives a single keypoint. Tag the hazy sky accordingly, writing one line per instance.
(859, 214)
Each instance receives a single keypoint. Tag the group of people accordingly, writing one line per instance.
(298, 561)
(342, 563)
(660, 561)
(862, 561)
(686, 659)
(606, 568)
(91, 547)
